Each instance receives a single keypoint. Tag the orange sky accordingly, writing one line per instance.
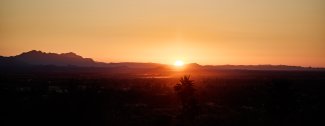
(288, 32)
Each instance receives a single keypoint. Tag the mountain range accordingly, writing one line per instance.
(39, 58)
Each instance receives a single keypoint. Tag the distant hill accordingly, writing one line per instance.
(259, 67)
(35, 58)
(39, 58)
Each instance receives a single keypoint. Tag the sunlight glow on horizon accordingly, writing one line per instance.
(207, 32)
(179, 63)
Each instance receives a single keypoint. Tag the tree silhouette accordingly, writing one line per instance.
(186, 93)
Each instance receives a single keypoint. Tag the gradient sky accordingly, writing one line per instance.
(288, 32)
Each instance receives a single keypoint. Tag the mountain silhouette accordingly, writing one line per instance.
(39, 58)
(65, 59)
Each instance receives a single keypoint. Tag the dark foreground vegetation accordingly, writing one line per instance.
(226, 98)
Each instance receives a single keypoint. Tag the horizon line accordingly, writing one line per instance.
(261, 64)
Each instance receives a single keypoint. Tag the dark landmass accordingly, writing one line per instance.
(39, 58)
(39, 88)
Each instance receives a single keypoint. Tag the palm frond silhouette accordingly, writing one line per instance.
(186, 93)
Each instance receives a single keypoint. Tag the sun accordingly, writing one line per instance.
(179, 63)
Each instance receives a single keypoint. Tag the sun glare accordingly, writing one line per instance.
(179, 63)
